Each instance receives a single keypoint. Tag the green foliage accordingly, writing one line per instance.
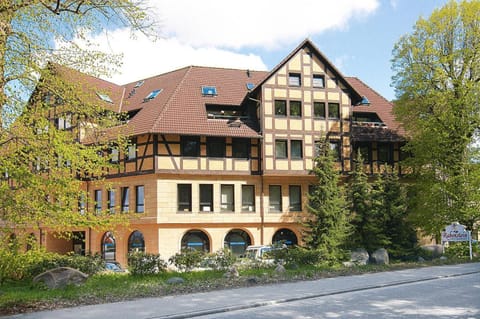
(220, 260)
(380, 213)
(41, 164)
(187, 259)
(437, 80)
(459, 250)
(296, 256)
(18, 265)
(327, 227)
(141, 263)
(89, 264)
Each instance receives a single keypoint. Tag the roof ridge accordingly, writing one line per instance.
(167, 103)
(155, 76)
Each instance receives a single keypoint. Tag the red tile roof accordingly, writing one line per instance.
(378, 104)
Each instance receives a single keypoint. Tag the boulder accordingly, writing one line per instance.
(61, 277)
(175, 281)
(434, 251)
(232, 273)
(359, 256)
(380, 257)
(280, 269)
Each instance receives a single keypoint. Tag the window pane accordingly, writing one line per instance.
(215, 147)
(111, 201)
(140, 199)
(275, 196)
(98, 200)
(240, 148)
(334, 110)
(280, 107)
(318, 81)
(190, 146)
(296, 149)
(114, 155)
(281, 149)
(294, 79)
(125, 199)
(295, 108)
(227, 198)
(132, 152)
(384, 153)
(319, 109)
(184, 197)
(335, 150)
(364, 150)
(295, 197)
(206, 197)
(248, 198)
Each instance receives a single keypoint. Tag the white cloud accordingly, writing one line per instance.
(253, 23)
(143, 57)
(220, 33)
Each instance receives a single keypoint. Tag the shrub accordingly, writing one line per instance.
(296, 255)
(141, 263)
(459, 250)
(220, 260)
(88, 264)
(187, 259)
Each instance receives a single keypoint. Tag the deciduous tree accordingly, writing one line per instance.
(42, 166)
(437, 81)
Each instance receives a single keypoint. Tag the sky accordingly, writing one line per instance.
(357, 36)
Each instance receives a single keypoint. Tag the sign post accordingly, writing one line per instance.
(455, 233)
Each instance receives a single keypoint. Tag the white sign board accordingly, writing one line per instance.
(457, 232)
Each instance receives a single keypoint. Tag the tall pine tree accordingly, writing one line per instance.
(327, 226)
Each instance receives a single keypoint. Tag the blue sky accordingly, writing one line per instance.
(356, 35)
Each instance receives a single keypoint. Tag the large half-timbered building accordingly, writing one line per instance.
(222, 157)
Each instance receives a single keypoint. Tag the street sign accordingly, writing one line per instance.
(456, 233)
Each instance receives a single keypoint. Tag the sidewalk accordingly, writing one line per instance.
(188, 306)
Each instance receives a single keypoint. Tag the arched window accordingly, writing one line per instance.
(237, 241)
(109, 246)
(136, 242)
(285, 236)
(196, 239)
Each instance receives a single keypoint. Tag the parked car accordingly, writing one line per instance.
(114, 266)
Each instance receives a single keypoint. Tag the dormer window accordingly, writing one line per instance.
(209, 90)
(250, 86)
(139, 84)
(152, 95)
(364, 101)
(104, 97)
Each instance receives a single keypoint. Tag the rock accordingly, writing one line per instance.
(252, 280)
(359, 256)
(175, 281)
(280, 269)
(443, 258)
(421, 259)
(434, 250)
(232, 273)
(348, 264)
(61, 277)
(380, 257)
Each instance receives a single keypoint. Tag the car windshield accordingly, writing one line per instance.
(251, 253)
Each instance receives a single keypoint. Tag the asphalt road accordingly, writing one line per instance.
(442, 298)
(431, 292)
